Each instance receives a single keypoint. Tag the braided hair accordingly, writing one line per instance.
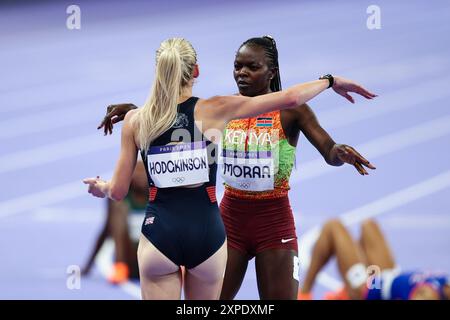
(270, 48)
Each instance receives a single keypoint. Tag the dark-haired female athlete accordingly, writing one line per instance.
(255, 207)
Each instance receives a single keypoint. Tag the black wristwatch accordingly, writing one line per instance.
(330, 79)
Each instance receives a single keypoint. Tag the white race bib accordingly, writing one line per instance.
(178, 165)
(247, 170)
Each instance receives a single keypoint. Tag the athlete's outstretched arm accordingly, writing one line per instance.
(333, 153)
(117, 188)
(218, 111)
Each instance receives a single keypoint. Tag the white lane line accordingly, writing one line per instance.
(79, 112)
(426, 220)
(379, 147)
(377, 207)
(59, 95)
(56, 151)
(50, 196)
(398, 100)
(64, 214)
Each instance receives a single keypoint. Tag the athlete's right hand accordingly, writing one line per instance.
(343, 86)
(115, 113)
(96, 186)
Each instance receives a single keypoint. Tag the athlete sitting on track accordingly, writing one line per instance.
(372, 251)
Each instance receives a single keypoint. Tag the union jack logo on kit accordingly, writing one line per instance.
(149, 220)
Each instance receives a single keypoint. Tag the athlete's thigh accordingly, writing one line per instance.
(277, 274)
(204, 281)
(160, 278)
(375, 247)
(153, 262)
(237, 263)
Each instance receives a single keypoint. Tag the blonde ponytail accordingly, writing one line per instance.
(175, 61)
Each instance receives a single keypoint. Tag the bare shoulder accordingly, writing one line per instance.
(296, 112)
(130, 125)
(303, 111)
(302, 108)
(130, 115)
(130, 120)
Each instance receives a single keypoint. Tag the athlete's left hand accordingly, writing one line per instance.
(96, 186)
(343, 86)
(349, 155)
